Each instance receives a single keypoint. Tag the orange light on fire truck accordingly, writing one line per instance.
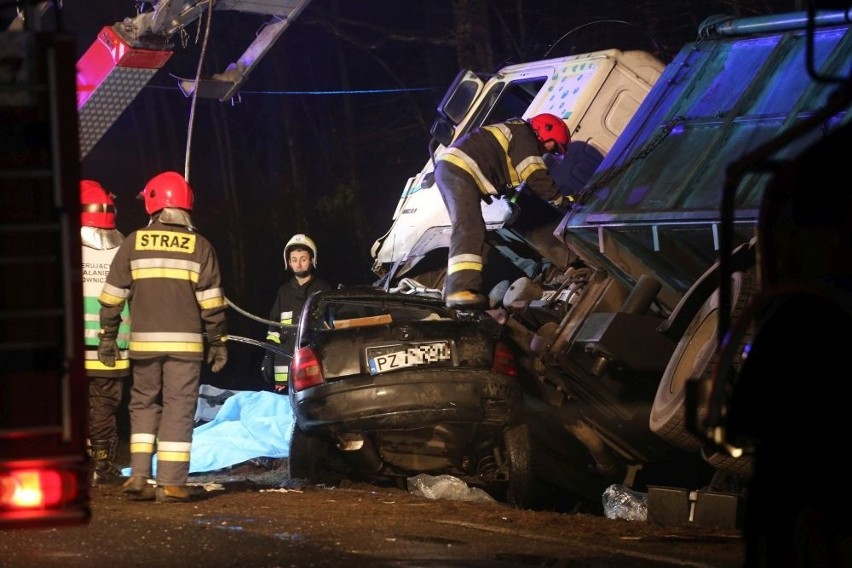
(36, 489)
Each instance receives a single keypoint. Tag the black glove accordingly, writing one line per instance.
(107, 351)
(562, 202)
(267, 368)
(217, 356)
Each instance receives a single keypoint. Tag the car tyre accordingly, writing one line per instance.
(310, 457)
(520, 492)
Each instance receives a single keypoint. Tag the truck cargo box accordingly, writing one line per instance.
(653, 203)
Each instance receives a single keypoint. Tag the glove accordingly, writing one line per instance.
(107, 352)
(267, 368)
(561, 202)
(217, 356)
(280, 388)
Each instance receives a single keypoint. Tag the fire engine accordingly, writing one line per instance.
(54, 110)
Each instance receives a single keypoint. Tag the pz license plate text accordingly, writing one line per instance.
(391, 359)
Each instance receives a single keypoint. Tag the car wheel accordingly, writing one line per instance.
(695, 357)
(521, 485)
(309, 457)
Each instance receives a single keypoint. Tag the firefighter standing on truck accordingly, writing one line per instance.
(100, 241)
(490, 161)
(300, 257)
(169, 274)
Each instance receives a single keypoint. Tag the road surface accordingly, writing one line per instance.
(251, 522)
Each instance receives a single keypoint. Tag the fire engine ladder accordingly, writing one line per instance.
(40, 281)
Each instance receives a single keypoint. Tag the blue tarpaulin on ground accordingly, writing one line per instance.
(248, 425)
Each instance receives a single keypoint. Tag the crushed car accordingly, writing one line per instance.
(388, 385)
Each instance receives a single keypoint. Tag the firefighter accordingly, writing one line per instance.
(493, 160)
(169, 274)
(300, 257)
(100, 241)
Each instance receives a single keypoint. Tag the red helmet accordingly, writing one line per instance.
(97, 205)
(168, 189)
(550, 127)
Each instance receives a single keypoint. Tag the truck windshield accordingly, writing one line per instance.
(506, 100)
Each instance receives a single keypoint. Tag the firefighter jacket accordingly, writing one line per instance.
(287, 309)
(289, 303)
(500, 157)
(99, 248)
(169, 274)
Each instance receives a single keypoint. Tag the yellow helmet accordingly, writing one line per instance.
(301, 241)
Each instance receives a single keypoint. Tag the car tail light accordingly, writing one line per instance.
(504, 360)
(305, 369)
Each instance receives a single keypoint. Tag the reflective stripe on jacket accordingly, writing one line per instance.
(170, 276)
(286, 309)
(96, 263)
(499, 157)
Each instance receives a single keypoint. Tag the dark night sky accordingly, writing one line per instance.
(293, 153)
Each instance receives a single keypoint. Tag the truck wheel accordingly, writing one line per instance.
(695, 357)
(521, 486)
(742, 467)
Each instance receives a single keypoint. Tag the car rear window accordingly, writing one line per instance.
(346, 314)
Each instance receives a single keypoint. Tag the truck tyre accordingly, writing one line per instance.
(741, 467)
(695, 357)
(521, 486)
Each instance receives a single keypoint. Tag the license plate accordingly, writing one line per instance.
(393, 357)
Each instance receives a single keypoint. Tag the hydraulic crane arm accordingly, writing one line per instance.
(127, 55)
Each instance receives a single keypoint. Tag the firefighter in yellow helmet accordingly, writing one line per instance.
(100, 241)
(300, 257)
(169, 274)
(492, 161)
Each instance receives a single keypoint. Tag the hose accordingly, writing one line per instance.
(241, 311)
(262, 344)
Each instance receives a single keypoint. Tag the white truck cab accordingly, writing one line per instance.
(595, 93)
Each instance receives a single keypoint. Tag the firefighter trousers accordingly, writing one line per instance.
(163, 401)
(104, 400)
(463, 201)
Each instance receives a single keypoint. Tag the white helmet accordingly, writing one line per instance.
(301, 240)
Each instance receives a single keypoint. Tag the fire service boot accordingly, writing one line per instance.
(137, 488)
(467, 299)
(174, 494)
(104, 471)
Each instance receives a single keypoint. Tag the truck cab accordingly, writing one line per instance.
(595, 93)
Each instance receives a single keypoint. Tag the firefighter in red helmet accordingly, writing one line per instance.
(100, 241)
(169, 275)
(493, 160)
